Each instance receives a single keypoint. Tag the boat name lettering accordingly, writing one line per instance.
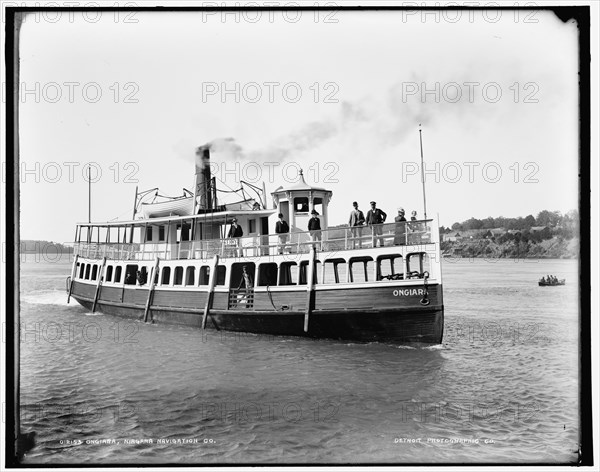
(407, 292)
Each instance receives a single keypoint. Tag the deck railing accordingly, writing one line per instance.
(297, 242)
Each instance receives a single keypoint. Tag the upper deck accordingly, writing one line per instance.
(181, 238)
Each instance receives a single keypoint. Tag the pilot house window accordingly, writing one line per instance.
(301, 204)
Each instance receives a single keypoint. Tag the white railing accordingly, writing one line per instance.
(333, 239)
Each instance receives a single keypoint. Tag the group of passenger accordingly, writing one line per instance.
(550, 279)
(375, 218)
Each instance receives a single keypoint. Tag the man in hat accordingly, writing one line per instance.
(357, 220)
(375, 218)
(235, 233)
(400, 233)
(314, 227)
(282, 229)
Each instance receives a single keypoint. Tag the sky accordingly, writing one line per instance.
(338, 94)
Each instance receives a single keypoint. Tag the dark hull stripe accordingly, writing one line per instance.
(373, 314)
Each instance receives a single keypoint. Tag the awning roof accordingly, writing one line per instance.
(221, 217)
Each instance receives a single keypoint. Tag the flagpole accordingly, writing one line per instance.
(89, 194)
(423, 175)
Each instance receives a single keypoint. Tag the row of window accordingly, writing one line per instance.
(331, 271)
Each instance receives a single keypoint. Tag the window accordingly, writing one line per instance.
(109, 273)
(288, 273)
(81, 270)
(390, 267)
(359, 268)
(118, 271)
(303, 273)
(318, 205)
(251, 226)
(178, 276)
(190, 275)
(204, 275)
(94, 272)
(166, 276)
(221, 272)
(184, 232)
(417, 264)
(301, 204)
(267, 274)
(148, 233)
(335, 271)
(131, 274)
(87, 271)
(161, 233)
(143, 277)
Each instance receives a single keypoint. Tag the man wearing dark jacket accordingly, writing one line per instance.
(356, 222)
(236, 232)
(282, 229)
(375, 218)
(314, 227)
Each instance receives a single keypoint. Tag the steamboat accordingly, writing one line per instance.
(175, 262)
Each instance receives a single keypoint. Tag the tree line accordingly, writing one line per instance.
(566, 225)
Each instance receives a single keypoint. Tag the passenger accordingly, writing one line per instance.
(235, 233)
(375, 218)
(314, 227)
(282, 229)
(413, 225)
(246, 282)
(356, 222)
(400, 230)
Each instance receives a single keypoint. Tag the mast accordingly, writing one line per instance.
(89, 194)
(423, 175)
(135, 203)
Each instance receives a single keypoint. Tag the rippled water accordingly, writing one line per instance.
(501, 388)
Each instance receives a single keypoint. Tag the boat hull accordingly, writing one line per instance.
(545, 284)
(402, 324)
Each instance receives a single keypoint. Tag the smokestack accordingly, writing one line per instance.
(203, 178)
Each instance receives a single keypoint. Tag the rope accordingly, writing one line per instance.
(271, 298)
(425, 300)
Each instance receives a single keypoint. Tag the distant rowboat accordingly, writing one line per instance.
(543, 283)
